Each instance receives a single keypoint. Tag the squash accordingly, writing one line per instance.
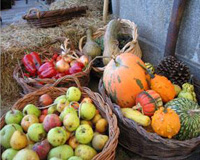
(189, 113)
(124, 79)
(165, 122)
(136, 116)
(148, 102)
(110, 40)
(150, 67)
(188, 92)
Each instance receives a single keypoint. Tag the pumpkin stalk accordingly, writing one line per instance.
(194, 111)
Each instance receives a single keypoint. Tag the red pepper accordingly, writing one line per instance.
(55, 56)
(47, 70)
(32, 62)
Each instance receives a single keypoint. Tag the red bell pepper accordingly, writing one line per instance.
(32, 62)
(47, 70)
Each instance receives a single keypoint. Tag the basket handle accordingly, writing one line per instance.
(68, 77)
(80, 44)
(36, 10)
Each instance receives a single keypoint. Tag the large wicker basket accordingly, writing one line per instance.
(136, 139)
(43, 19)
(127, 28)
(32, 84)
(108, 152)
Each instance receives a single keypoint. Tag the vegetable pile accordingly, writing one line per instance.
(71, 128)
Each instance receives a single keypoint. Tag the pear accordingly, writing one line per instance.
(85, 152)
(99, 141)
(18, 140)
(26, 154)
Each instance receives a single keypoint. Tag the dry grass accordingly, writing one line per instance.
(16, 39)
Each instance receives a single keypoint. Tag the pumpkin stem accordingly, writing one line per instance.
(147, 70)
(137, 106)
(191, 112)
(114, 59)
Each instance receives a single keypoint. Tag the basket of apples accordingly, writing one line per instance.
(59, 124)
(39, 69)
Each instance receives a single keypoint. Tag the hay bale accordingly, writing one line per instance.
(17, 38)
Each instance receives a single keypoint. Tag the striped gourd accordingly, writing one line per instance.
(189, 113)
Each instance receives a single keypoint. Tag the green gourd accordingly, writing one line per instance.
(91, 48)
(189, 113)
(110, 40)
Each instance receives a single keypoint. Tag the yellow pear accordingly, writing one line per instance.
(99, 141)
(96, 118)
(18, 140)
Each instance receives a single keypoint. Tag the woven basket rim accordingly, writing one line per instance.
(151, 137)
(108, 152)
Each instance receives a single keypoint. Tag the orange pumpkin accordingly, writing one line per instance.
(166, 122)
(124, 79)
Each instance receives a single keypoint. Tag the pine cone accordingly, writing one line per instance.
(176, 71)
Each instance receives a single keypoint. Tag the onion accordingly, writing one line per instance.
(62, 66)
(84, 59)
(68, 59)
(73, 62)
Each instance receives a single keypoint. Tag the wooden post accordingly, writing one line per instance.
(105, 10)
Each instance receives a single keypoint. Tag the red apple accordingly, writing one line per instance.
(45, 100)
(42, 117)
(51, 121)
(45, 111)
(42, 149)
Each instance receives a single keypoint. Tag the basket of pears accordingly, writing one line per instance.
(59, 124)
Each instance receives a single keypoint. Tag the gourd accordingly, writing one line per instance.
(189, 113)
(124, 79)
(136, 116)
(165, 122)
(110, 40)
(147, 102)
(188, 92)
(150, 67)
(91, 48)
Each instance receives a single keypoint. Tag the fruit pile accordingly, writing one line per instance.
(151, 99)
(70, 129)
(67, 63)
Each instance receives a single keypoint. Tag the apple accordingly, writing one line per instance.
(13, 116)
(53, 110)
(51, 121)
(85, 152)
(59, 98)
(36, 132)
(6, 134)
(84, 134)
(66, 111)
(62, 103)
(73, 142)
(28, 120)
(31, 109)
(87, 100)
(55, 158)
(29, 140)
(75, 158)
(96, 118)
(75, 105)
(45, 111)
(9, 154)
(42, 149)
(41, 118)
(26, 154)
(73, 94)
(86, 122)
(99, 141)
(101, 125)
(57, 136)
(87, 111)
(18, 140)
(63, 152)
(71, 122)
(45, 100)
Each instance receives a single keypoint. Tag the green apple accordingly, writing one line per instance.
(66, 111)
(87, 111)
(57, 136)
(75, 158)
(31, 109)
(73, 94)
(59, 98)
(62, 103)
(63, 152)
(52, 109)
(26, 154)
(6, 134)
(71, 122)
(99, 141)
(9, 154)
(55, 158)
(84, 134)
(85, 152)
(13, 116)
(36, 132)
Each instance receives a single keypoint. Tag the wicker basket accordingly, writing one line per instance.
(136, 139)
(32, 84)
(108, 152)
(52, 18)
(128, 28)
